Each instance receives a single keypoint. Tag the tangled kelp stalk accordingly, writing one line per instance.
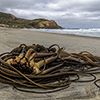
(36, 66)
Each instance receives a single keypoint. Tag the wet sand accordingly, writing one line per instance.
(11, 38)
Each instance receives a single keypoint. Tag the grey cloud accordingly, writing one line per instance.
(67, 13)
(92, 6)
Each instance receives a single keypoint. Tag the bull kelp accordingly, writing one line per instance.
(48, 68)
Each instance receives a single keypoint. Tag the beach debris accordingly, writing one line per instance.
(50, 68)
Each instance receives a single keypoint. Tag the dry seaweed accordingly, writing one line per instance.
(50, 68)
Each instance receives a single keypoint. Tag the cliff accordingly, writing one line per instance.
(11, 21)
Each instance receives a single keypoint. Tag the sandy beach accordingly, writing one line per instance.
(11, 38)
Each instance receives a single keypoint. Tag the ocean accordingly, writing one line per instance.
(92, 32)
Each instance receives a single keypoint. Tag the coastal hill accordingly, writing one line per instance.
(11, 21)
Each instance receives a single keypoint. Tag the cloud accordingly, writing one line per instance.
(67, 13)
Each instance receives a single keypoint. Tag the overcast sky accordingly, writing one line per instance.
(67, 13)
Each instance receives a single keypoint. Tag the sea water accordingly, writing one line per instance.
(93, 32)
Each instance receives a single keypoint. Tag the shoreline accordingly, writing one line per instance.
(72, 43)
(69, 34)
(37, 30)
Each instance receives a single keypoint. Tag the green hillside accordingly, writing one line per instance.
(9, 20)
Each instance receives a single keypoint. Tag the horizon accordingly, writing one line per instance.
(67, 14)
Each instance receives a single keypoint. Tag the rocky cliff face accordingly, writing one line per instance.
(8, 20)
(48, 24)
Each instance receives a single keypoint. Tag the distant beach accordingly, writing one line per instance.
(11, 38)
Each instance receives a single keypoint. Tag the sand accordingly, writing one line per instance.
(11, 38)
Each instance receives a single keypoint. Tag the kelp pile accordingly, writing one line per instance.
(37, 66)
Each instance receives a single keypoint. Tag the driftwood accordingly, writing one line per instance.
(36, 66)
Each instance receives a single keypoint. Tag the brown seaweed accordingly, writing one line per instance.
(37, 66)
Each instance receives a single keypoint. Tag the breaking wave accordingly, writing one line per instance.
(93, 32)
